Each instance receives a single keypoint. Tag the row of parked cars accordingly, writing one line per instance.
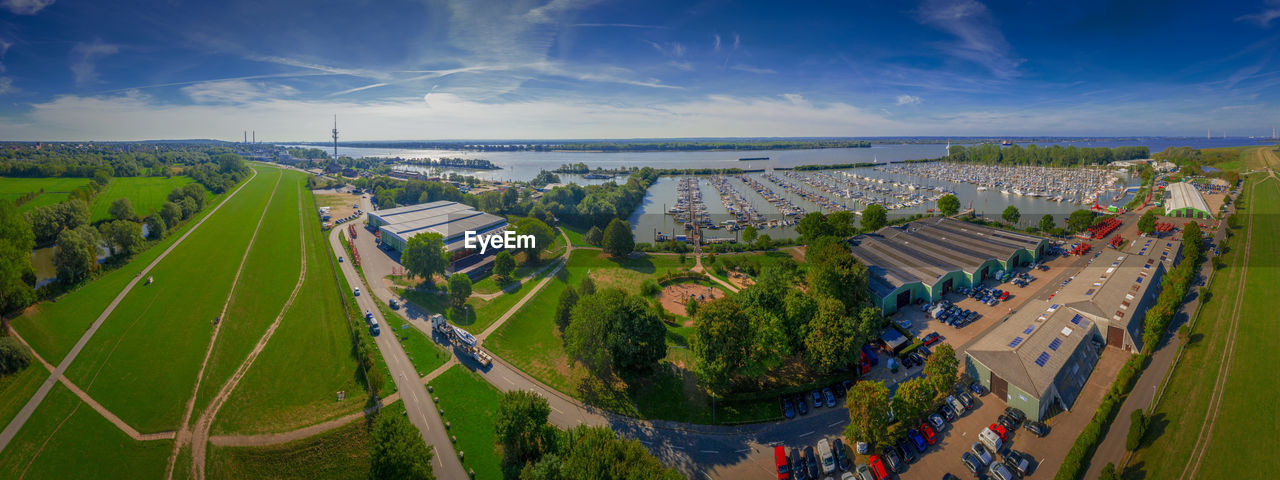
(950, 314)
(348, 218)
(827, 397)
(991, 456)
(828, 458)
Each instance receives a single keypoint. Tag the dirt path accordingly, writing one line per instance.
(183, 432)
(23, 415)
(568, 252)
(1224, 365)
(200, 440)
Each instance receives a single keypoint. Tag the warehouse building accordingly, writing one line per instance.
(1184, 200)
(1116, 295)
(1038, 359)
(395, 226)
(921, 260)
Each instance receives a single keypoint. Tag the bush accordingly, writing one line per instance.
(649, 288)
(14, 356)
(1137, 427)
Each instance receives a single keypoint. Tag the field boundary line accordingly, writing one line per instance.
(20, 419)
(183, 431)
(200, 442)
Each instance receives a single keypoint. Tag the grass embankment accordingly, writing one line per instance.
(66, 439)
(382, 373)
(470, 406)
(1245, 419)
(312, 347)
(531, 342)
(341, 453)
(17, 388)
(143, 361)
(146, 194)
(56, 190)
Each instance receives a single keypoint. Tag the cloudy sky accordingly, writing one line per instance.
(480, 69)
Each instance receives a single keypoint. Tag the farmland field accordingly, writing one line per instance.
(56, 189)
(146, 194)
(470, 406)
(341, 453)
(15, 389)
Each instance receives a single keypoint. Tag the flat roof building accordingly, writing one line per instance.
(1185, 201)
(395, 226)
(923, 259)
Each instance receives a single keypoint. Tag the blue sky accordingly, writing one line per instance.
(479, 69)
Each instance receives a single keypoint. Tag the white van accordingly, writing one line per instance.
(991, 440)
(824, 453)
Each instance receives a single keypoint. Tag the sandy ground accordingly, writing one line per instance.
(340, 203)
(675, 296)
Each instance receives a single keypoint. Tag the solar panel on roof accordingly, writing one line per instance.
(1057, 342)
(1077, 319)
(1042, 359)
(1139, 279)
(1029, 329)
(1015, 342)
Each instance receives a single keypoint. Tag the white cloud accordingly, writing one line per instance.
(974, 27)
(909, 100)
(6, 86)
(83, 58)
(26, 7)
(1263, 19)
(236, 91)
(716, 46)
(751, 69)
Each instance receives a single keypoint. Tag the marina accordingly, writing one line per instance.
(1081, 186)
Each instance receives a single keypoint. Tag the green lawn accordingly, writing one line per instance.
(312, 347)
(575, 235)
(341, 453)
(147, 353)
(66, 439)
(470, 406)
(489, 283)
(56, 189)
(17, 388)
(423, 352)
(1249, 402)
(146, 194)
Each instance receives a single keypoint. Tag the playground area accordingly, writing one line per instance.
(674, 297)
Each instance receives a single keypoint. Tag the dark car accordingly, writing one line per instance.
(907, 451)
(916, 356)
(788, 408)
(965, 398)
(797, 465)
(811, 460)
(839, 389)
(892, 459)
(817, 398)
(932, 338)
(1016, 414)
(842, 458)
(1018, 462)
(924, 351)
(917, 440)
(977, 389)
(802, 405)
(1006, 422)
(971, 462)
(946, 413)
(1036, 428)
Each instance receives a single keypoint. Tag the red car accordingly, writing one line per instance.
(927, 432)
(932, 338)
(877, 468)
(996, 427)
(780, 459)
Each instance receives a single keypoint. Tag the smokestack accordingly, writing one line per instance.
(255, 136)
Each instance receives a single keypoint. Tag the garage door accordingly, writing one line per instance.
(1115, 337)
(946, 286)
(904, 299)
(999, 387)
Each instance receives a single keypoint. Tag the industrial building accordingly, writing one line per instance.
(1184, 200)
(921, 260)
(1041, 356)
(395, 226)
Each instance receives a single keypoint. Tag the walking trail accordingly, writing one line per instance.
(19, 420)
(184, 432)
(564, 260)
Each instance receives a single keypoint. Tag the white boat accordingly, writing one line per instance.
(982, 189)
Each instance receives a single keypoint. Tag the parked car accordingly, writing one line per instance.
(965, 399)
(788, 408)
(1036, 428)
(339, 259)
(971, 462)
(956, 405)
(917, 358)
(892, 459)
(1006, 422)
(981, 452)
(977, 389)
(842, 458)
(783, 466)
(907, 450)
(946, 413)
(802, 405)
(864, 472)
(877, 468)
(990, 439)
(927, 432)
(393, 304)
(830, 397)
(817, 398)
(839, 389)
(357, 291)
(1018, 462)
(1016, 414)
(862, 447)
(811, 460)
(1000, 472)
(924, 351)
(824, 454)
(937, 422)
(999, 430)
(906, 362)
(918, 441)
(798, 470)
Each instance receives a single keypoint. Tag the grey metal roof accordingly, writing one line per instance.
(1184, 195)
(410, 213)
(449, 219)
(1111, 288)
(1013, 349)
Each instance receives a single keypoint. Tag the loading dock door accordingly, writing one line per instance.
(946, 286)
(999, 387)
(1115, 337)
(904, 299)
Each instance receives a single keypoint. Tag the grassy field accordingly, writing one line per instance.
(17, 388)
(146, 194)
(342, 453)
(1249, 401)
(170, 321)
(470, 407)
(66, 439)
(423, 352)
(56, 189)
(312, 347)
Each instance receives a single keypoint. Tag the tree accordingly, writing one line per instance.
(913, 399)
(1109, 472)
(125, 237)
(424, 255)
(874, 217)
(691, 307)
(77, 254)
(1080, 220)
(749, 234)
(1147, 223)
(764, 242)
(171, 213)
(14, 356)
(503, 265)
(948, 204)
(941, 368)
(522, 428)
(612, 329)
(587, 286)
(841, 223)
(155, 227)
(721, 343)
(836, 273)
(543, 236)
(397, 451)
(618, 241)
(459, 289)
(594, 236)
(599, 453)
(17, 278)
(814, 225)
(1192, 239)
(564, 307)
(1137, 428)
(829, 343)
(189, 207)
(1046, 223)
(196, 193)
(101, 176)
(122, 209)
(1011, 215)
(49, 221)
(868, 404)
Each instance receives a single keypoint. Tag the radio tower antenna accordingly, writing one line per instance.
(335, 137)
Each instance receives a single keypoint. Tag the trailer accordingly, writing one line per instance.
(462, 339)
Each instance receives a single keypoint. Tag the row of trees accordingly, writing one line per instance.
(212, 165)
(870, 403)
(1053, 156)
